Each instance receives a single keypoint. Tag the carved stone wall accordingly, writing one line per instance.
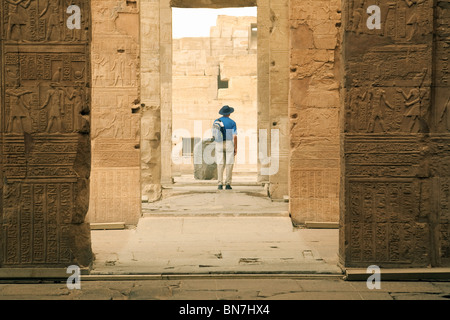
(313, 110)
(115, 183)
(45, 135)
(395, 152)
(440, 137)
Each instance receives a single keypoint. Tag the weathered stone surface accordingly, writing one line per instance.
(45, 136)
(203, 170)
(387, 215)
(115, 137)
(440, 128)
(314, 111)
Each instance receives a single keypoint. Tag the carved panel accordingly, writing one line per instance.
(115, 129)
(45, 124)
(389, 193)
(43, 21)
(383, 224)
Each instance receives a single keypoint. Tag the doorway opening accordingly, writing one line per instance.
(196, 228)
(214, 63)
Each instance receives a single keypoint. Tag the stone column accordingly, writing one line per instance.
(313, 110)
(263, 123)
(387, 212)
(44, 135)
(150, 96)
(279, 93)
(440, 115)
(115, 184)
(166, 90)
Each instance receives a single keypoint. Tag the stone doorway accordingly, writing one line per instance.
(185, 201)
(132, 145)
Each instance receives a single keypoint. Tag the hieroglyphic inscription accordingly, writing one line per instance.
(45, 107)
(383, 223)
(40, 21)
(46, 92)
(402, 20)
(115, 129)
(388, 112)
(35, 232)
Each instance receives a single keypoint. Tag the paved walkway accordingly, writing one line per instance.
(197, 229)
(228, 289)
(196, 245)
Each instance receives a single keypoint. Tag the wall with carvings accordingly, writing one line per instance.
(440, 135)
(44, 135)
(394, 202)
(115, 178)
(314, 110)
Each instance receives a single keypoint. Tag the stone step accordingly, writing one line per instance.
(399, 274)
(163, 213)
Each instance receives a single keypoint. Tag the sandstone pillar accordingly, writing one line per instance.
(165, 57)
(313, 110)
(44, 135)
(392, 167)
(440, 136)
(263, 122)
(279, 93)
(115, 186)
(150, 96)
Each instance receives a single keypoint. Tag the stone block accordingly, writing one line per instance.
(202, 169)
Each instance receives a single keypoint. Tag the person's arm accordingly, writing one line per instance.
(235, 138)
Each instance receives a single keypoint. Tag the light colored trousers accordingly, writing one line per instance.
(224, 159)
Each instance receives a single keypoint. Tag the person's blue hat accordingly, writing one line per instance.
(226, 110)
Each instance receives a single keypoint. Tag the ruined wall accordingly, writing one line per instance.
(44, 135)
(197, 99)
(115, 182)
(395, 145)
(313, 110)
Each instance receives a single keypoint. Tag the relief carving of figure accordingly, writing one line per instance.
(354, 113)
(19, 108)
(358, 16)
(377, 102)
(413, 20)
(54, 104)
(413, 103)
(118, 69)
(134, 66)
(16, 18)
(445, 115)
(98, 63)
(80, 105)
(54, 23)
(12, 75)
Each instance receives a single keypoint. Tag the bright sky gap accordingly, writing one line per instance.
(197, 22)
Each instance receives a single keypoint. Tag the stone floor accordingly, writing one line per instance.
(197, 229)
(202, 244)
(227, 289)
(196, 244)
